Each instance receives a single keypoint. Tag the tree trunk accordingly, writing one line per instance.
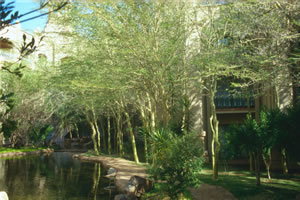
(108, 135)
(98, 134)
(145, 126)
(267, 162)
(104, 138)
(214, 124)
(77, 131)
(152, 113)
(94, 137)
(283, 160)
(251, 161)
(119, 134)
(135, 155)
(257, 168)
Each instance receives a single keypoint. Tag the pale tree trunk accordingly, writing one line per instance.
(283, 160)
(214, 124)
(97, 129)
(94, 133)
(152, 112)
(115, 140)
(108, 134)
(145, 126)
(267, 162)
(77, 131)
(135, 155)
(98, 135)
(119, 133)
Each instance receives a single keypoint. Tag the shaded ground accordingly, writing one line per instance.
(211, 192)
(230, 185)
(242, 185)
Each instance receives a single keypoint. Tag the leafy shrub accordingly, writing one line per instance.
(178, 160)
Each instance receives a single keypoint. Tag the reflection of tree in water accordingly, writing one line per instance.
(54, 177)
(96, 179)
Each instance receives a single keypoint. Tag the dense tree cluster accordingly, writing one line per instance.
(134, 67)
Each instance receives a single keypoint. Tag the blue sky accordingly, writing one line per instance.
(24, 6)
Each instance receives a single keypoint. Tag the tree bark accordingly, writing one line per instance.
(119, 134)
(257, 168)
(135, 155)
(94, 137)
(284, 163)
(214, 124)
(98, 135)
(267, 162)
(108, 135)
(251, 161)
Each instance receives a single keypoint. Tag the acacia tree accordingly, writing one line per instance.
(141, 52)
(268, 33)
(236, 42)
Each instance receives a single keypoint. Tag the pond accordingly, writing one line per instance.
(53, 177)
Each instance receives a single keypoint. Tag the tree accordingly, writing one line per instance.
(8, 18)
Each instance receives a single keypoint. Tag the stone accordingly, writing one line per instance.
(111, 173)
(3, 196)
(120, 197)
(137, 186)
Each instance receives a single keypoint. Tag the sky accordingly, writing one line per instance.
(24, 6)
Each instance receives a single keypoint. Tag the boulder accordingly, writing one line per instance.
(120, 197)
(3, 196)
(137, 186)
(111, 173)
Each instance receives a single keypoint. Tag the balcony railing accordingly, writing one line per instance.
(225, 100)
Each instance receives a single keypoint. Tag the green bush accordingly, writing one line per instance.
(178, 160)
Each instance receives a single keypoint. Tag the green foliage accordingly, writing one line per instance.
(242, 185)
(39, 134)
(178, 160)
(289, 131)
(25, 149)
(245, 137)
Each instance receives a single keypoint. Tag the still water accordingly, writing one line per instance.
(54, 177)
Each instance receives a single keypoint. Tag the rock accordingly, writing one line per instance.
(3, 196)
(75, 145)
(137, 186)
(120, 197)
(88, 145)
(111, 173)
(110, 188)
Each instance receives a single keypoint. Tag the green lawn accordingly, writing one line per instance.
(242, 184)
(26, 149)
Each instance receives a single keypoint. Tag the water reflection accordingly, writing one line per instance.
(56, 177)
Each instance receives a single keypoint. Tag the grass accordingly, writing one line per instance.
(242, 184)
(25, 149)
(158, 193)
